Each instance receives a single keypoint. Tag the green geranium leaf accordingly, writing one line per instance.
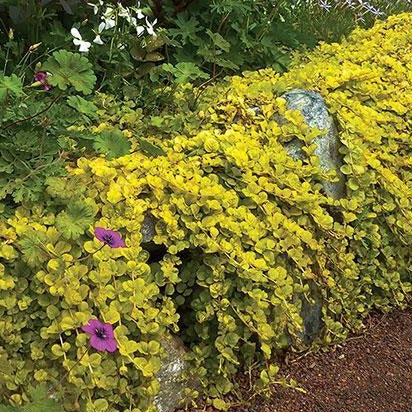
(83, 106)
(10, 85)
(185, 72)
(112, 144)
(32, 246)
(218, 40)
(70, 69)
(75, 220)
(62, 188)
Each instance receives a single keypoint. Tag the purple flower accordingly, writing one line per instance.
(109, 237)
(41, 77)
(101, 335)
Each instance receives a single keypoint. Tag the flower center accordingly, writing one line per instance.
(101, 333)
(108, 239)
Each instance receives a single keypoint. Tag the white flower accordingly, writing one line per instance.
(84, 46)
(149, 27)
(109, 23)
(98, 40)
(323, 4)
(108, 19)
(101, 27)
(140, 15)
(140, 30)
(138, 11)
(108, 12)
(124, 11)
(96, 6)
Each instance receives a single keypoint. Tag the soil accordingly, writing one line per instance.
(370, 373)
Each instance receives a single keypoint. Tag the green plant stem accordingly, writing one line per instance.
(112, 41)
(6, 60)
(68, 372)
(38, 58)
(39, 168)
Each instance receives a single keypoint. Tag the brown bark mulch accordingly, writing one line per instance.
(370, 373)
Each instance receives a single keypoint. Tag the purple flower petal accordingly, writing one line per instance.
(97, 343)
(92, 326)
(40, 77)
(108, 329)
(111, 238)
(99, 232)
(111, 345)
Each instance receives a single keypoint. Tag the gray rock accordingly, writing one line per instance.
(148, 228)
(311, 313)
(255, 110)
(314, 110)
(294, 149)
(174, 376)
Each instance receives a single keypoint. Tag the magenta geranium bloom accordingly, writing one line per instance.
(41, 77)
(101, 335)
(109, 237)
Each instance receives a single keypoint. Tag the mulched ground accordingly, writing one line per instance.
(370, 373)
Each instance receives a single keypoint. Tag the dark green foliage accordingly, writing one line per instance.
(340, 18)
(29, 143)
(149, 148)
(196, 40)
(83, 106)
(37, 137)
(221, 36)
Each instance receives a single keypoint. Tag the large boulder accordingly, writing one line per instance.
(314, 110)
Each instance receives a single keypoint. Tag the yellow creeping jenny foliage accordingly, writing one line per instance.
(248, 233)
